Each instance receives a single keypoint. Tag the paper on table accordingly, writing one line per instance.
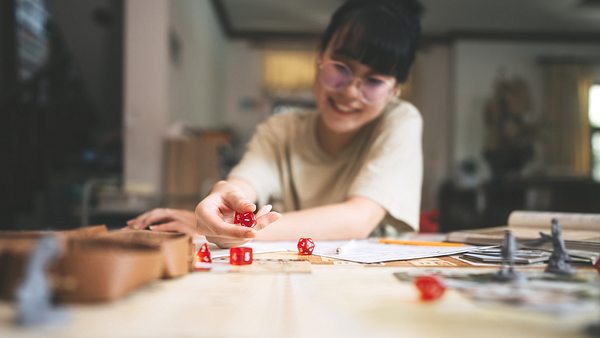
(366, 251)
(258, 247)
(361, 251)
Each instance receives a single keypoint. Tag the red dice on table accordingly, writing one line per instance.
(240, 255)
(203, 254)
(246, 219)
(430, 287)
(306, 246)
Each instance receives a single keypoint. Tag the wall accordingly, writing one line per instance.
(242, 83)
(431, 82)
(476, 64)
(196, 81)
(161, 88)
(146, 93)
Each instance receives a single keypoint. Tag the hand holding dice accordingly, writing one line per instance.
(216, 216)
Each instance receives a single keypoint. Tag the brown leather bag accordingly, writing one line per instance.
(176, 248)
(96, 264)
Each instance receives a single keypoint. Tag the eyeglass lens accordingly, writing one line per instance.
(336, 76)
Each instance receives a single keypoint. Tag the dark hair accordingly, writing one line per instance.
(382, 34)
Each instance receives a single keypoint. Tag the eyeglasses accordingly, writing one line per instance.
(335, 75)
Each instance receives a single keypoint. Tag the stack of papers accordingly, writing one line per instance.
(494, 255)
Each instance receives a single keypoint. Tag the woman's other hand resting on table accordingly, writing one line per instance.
(213, 217)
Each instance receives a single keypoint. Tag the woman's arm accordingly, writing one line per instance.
(354, 218)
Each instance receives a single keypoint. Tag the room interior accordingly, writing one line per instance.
(112, 107)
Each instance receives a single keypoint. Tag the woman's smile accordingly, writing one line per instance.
(343, 108)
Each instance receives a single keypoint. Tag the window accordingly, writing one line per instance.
(594, 114)
(32, 37)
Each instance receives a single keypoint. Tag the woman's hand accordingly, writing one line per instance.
(165, 220)
(214, 215)
(264, 217)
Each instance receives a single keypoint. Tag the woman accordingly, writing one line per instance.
(340, 171)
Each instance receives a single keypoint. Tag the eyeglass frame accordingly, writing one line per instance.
(321, 63)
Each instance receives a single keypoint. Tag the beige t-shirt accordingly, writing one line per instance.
(287, 168)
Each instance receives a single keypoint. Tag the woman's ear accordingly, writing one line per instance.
(397, 91)
(319, 59)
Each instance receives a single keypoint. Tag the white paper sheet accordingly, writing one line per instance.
(258, 247)
(368, 251)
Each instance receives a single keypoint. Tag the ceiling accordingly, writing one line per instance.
(549, 19)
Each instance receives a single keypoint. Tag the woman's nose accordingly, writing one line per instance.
(352, 89)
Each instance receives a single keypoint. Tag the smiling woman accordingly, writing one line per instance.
(353, 163)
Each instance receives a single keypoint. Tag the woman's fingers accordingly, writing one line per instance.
(232, 231)
(136, 223)
(235, 200)
(264, 210)
(184, 218)
(172, 227)
(152, 216)
(266, 220)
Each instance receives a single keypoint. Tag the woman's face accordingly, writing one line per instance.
(346, 106)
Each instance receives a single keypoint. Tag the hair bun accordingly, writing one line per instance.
(413, 6)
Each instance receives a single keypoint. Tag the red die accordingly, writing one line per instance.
(306, 246)
(245, 218)
(203, 254)
(430, 287)
(240, 255)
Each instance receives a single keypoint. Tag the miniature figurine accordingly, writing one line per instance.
(34, 296)
(558, 261)
(508, 250)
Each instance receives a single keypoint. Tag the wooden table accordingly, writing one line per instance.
(313, 298)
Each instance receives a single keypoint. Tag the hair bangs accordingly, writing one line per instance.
(372, 39)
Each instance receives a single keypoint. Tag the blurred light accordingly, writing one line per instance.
(596, 156)
(288, 71)
(594, 106)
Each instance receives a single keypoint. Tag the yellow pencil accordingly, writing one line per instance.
(420, 243)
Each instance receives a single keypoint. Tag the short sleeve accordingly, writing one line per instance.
(392, 173)
(258, 166)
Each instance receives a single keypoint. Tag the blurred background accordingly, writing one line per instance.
(112, 107)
